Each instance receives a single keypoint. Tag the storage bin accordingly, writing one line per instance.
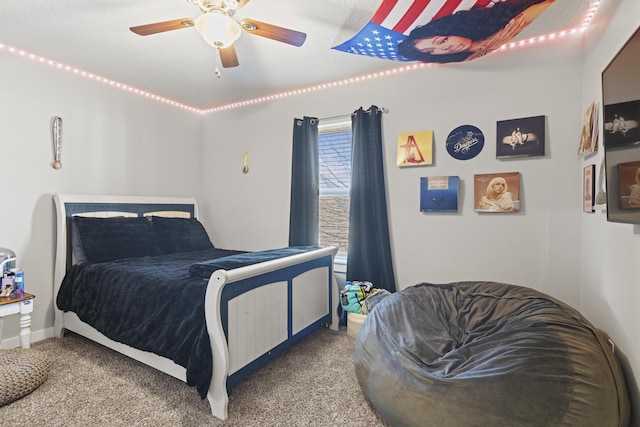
(354, 323)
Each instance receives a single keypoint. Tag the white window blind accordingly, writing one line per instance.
(334, 150)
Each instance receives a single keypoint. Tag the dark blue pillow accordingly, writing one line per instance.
(108, 239)
(180, 235)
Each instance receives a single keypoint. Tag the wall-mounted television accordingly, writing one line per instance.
(621, 132)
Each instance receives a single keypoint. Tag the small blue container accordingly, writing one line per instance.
(18, 281)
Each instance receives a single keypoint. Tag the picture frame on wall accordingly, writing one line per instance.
(619, 79)
(621, 124)
(589, 134)
(524, 137)
(439, 193)
(588, 188)
(629, 183)
(497, 192)
(415, 148)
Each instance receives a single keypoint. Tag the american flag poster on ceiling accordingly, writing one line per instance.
(439, 30)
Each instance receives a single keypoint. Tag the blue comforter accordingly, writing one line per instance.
(154, 303)
(204, 269)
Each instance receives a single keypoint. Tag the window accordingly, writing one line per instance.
(334, 152)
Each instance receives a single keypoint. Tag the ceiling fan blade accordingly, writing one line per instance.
(241, 4)
(159, 27)
(228, 57)
(273, 32)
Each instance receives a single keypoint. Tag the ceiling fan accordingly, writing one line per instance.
(218, 28)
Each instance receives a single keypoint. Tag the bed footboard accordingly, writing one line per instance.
(257, 312)
(252, 313)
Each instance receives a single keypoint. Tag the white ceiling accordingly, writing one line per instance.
(94, 36)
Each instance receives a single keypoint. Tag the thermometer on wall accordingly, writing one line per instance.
(56, 132)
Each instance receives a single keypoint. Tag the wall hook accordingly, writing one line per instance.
(245, 168)
(56, 135)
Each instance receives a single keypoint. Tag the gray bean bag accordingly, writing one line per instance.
(487, 354)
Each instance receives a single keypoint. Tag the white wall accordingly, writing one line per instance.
(610, 252)
(537, 247)
(113, 143)
(119, 143)
(551, 245)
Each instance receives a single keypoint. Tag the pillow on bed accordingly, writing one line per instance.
(180, 234)
(108, 239)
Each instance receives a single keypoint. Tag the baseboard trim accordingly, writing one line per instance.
(13, 342)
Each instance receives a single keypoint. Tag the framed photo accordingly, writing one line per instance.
(629, 182)
(588, 188)
(497, 192)
(415, 148)
(621, 124)
(439, 194)
(520, 137)
(589, 134)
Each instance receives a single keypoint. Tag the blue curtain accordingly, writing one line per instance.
(369, 254)
(305, 186)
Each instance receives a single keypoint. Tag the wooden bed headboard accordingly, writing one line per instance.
(260, 308)
(102, 206)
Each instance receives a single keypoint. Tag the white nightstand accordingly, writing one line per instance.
(24, 307)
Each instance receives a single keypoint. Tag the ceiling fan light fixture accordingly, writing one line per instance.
(218, 29)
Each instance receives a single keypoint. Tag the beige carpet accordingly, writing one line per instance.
(314, 384)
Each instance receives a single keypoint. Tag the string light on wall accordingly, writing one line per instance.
(590, 13)
(94, 77)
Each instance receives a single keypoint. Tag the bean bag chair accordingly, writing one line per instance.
(487, 354)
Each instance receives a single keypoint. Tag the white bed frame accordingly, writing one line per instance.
(278, 302)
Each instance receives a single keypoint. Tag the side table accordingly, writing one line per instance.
(23, 306)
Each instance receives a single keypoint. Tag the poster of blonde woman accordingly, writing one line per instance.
(497, 192)
(629, 182)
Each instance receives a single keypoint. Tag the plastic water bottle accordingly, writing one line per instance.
(19, 283)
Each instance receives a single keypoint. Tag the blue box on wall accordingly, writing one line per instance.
(439, 194)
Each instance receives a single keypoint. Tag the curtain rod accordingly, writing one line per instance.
(346, 116)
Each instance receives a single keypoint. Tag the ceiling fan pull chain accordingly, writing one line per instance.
(227, 6)
(217, 70)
